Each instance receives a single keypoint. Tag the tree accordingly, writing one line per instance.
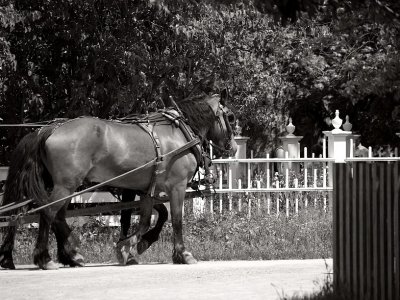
(113, 58)
(384, 11)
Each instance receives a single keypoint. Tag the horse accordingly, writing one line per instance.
(157, 157)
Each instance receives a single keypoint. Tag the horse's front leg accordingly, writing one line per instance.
(127, 195)
(124, 247)
(179, 255)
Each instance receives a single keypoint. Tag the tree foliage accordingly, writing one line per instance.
(383, 11)
(110, 58)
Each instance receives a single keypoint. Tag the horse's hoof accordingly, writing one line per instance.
(131, 260)
(142, 246)
(6, 263)
(122, 253)
(123, 249)
(188, 258)
(77, 261)
(184, 258)
(50, 265)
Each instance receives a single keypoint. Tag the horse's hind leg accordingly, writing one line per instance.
(41, 256)
(152, 236)
(6, 259)
(124, 247)
(66, 243)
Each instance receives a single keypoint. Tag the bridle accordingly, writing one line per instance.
(229, 119)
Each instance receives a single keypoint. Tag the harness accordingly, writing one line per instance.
(149, 122)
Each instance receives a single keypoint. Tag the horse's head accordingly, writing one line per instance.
(221, 133)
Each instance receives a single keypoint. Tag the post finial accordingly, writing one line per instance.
(337, 122)
(290, 128)
(347, 125)
(238, 128)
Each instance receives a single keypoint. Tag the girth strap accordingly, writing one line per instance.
(159, 158)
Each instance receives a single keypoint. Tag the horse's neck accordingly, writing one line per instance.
(202, 133)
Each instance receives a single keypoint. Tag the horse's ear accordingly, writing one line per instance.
(224, 96)
(213, 101)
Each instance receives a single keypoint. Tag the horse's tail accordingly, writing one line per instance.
(27, 176)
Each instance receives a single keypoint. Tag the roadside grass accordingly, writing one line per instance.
(325, 292)
(230, 236)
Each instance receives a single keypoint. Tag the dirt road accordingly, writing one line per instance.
(206, 280)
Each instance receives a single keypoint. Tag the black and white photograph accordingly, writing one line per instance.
(200, 149)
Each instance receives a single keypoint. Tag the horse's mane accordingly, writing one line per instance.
(198, 113)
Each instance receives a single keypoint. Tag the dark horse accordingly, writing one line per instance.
(52, 163)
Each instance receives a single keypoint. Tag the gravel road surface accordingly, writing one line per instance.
(205, 280)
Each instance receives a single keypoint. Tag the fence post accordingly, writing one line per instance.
(291, 145)
(240, 195)
(338, 140)
(238, 172)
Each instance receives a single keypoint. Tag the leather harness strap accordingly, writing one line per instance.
(187, 132)
(149, 128)
(194, 142)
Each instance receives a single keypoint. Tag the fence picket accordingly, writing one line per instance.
(355, 212)
(382, 232)
(359, 176)
(368, 227)
(396, 229)
(389, 229)
(347, 219)
(375, 246)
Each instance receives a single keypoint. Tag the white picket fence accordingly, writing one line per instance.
(278, 185)
(272, 185)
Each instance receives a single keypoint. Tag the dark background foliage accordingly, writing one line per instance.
(303, 59)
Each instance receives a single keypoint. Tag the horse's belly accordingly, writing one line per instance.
(130, 179)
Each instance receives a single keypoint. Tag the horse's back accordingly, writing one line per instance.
(96, 149)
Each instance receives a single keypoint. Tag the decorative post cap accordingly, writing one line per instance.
(337, 122)
(238, 128)
(290, 128)
(347, 125)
